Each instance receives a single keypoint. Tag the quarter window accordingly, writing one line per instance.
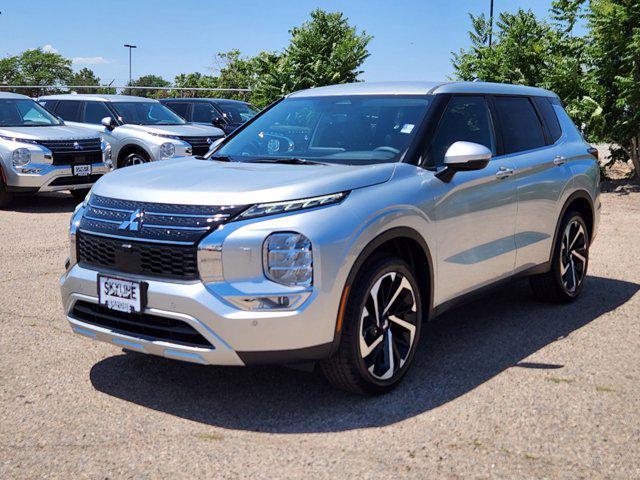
(550, 118)
(465, 119)
(69, 110)
(519, 123)
(94, 112)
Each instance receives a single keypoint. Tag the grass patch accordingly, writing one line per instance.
(528, 456)
(604, 389)
(558, 380)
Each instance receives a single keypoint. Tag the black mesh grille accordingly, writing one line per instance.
(156, 260)
(74, 152)
(140, 325)
(200, 145)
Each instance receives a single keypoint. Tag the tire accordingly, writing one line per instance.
(5, 197)
(80, 194)
(136, 157)
(565, 279)
(391, 281)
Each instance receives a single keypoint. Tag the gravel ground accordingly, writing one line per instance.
(504, 388)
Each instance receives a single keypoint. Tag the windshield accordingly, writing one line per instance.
(355, 130)
(146, 113)
(238, 112)
(24, 112)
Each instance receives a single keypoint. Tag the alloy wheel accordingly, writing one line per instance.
(573, 256)
(388, 325)
(134, 159)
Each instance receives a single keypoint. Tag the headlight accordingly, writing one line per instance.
(167, 150)
(287, 259)
(274, 208)
(21, 156)
(20, 140)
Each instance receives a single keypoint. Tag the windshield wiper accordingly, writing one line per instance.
(288, 161)
(221, 158)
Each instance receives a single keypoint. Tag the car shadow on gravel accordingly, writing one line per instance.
(55, 202)
(459, 351)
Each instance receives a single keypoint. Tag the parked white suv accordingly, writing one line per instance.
(39, 153)
(138, 129)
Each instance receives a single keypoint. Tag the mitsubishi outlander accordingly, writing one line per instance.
(333, 224)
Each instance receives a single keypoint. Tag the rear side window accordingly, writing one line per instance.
(179, 107)
(94, 112)
(549, 117)
(204, 112)
(519, 123)
(69, 110)
(466, 119)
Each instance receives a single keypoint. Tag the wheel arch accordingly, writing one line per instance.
(409, 245)
(131, 148)
(582, 202)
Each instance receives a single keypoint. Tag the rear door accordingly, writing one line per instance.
(532, 140)
(475, 210)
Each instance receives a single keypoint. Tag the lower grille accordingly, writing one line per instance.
(140, 325)
(140, 258)
(74, 180)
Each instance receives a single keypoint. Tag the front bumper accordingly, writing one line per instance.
(237, 337)
(51, 178)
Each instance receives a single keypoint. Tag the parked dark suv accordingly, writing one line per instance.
(225, 114)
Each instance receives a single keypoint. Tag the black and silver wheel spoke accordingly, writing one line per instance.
(388, 325)
(573, 256)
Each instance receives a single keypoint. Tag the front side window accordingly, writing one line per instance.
(204, 112)
(24, 113)
(238, 112)
(69, 110)
(94, 112)
(356, 129)
(520, 125)
(179, 107)
(146, 113)
(466, 119)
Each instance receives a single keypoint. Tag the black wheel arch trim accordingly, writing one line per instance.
(391, 234)
(579, 194)
(129, 149)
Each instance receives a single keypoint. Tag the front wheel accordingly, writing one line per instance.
(565, 279)
(381, 329)
(135, 158)
(5, 196)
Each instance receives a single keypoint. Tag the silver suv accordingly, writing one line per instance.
(139, 130)
(39, 153)
(333, 224)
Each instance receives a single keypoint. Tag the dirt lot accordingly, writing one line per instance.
(505, 387)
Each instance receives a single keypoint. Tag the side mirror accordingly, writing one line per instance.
(109, 123)
(467, 156)
(218, 122)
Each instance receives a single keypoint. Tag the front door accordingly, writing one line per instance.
(475, 211)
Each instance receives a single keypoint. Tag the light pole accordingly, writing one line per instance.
(490, 23)
(130, 47)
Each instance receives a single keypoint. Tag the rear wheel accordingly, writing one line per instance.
(565, 279)
(381, 329)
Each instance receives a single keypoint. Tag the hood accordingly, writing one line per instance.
(186, 130)
(56, 132)
(207, 182)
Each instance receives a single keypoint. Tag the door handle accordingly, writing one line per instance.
(504, 172)
(559, 160)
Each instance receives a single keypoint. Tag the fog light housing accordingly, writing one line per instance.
(288, 259)
(269, 302)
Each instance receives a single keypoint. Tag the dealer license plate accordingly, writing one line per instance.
(82, 170)
(120, 294)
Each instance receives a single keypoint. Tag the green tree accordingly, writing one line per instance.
(36, 67)
(85, 76)
(322, 51)
(148, 81)
(615, 56)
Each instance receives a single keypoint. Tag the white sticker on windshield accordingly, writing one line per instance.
(407, 128)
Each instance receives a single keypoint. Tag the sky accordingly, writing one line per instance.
(413, 39)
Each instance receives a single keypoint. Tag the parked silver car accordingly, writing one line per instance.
(139, 130)
(333, 224)
(39, 153)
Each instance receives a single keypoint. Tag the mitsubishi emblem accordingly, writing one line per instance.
(134, 223)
